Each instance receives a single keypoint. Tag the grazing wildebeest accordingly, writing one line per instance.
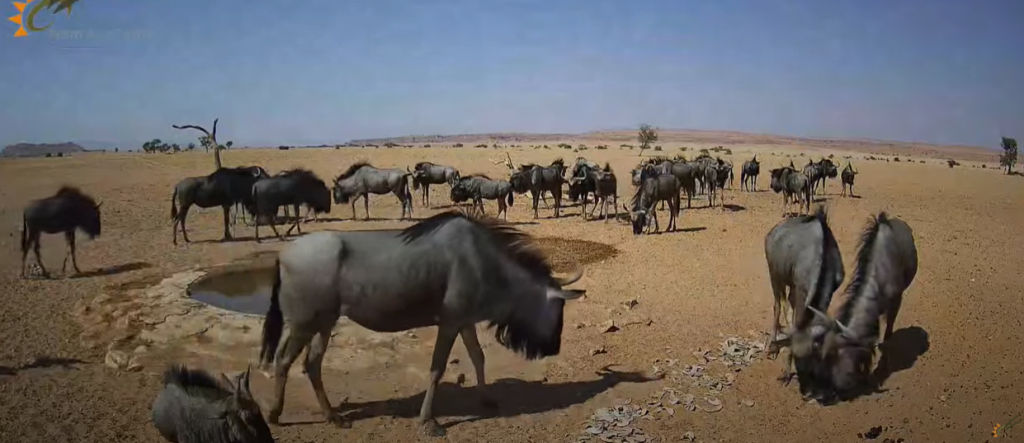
(479, 187)
(294, 188)
(66, 211)
(224, 187)
(654, 186)
(886, 266)
(793, 185)
(363, 179)
(450, 270)
(685, 172)
(751, 169)
(804, 258)
(426, 173)
(537, 180)
(194, 407)
(848, 175)
(599, 182)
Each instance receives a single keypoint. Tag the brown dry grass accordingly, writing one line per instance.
(692, 285)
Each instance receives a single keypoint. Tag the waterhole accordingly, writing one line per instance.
(246, 289)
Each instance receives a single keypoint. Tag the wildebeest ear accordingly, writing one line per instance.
(243, 384)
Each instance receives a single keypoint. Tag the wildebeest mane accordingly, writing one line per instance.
(352, 170)
(518, 245)
(607, 167)
(820, 216)
(527, 166)
(300, 172)
(475, 175)
(420, 165)
(195, 382)
(67, 191)
(865, 250)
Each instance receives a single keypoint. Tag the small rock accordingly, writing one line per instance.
(461, 379)
(123, 323)
(596, 351)
(580, 325)
(748, 403)
(631, 303)
(609, 326)
(688, 436)
(455, 361)
(116, 359)
(140, 350)
(134, 366)
(942, 398)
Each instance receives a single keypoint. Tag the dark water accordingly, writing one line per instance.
(246, 291)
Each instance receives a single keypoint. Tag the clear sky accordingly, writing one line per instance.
(324, 71)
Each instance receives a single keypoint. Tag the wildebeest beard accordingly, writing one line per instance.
(517, 334)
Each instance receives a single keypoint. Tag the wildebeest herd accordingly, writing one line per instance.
(457, 269)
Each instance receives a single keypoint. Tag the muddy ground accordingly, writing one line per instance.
(958, 370)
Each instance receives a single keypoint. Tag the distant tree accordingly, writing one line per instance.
(175, 147)
(191, 147)
(208, 140)
(115, 149)
(646, 136)
(1009, 156)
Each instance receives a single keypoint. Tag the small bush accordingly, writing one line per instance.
(601, 147)
(831, 156)
(657, 148)
(897, 159)
(704, 151)
(458, 145)
(684, 148)
(728, 152)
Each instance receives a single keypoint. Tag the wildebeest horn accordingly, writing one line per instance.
(99, 204)
(571, 279)
(819, 315)
(843, 330)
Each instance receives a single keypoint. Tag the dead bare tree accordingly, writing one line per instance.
(210, 140)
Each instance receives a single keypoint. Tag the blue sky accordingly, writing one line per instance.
(323, 71)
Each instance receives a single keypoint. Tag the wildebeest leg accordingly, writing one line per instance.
(536, 198)
(295, 342)
(615, 205)
(35, 250)
(354, 199)
(366, 206)
(442, 349)
(426, 191)
(557, 194)
(313, 364)
(476, 355)
(890, 315)
(70, 237)
(296, 224)
(227, 231)
(779, 291)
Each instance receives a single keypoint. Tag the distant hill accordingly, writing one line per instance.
(40, 149)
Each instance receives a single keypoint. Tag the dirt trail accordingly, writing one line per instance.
(669, 295)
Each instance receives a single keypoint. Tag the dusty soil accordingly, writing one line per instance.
(958, 372)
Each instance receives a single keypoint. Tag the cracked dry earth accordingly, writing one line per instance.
(80, 358)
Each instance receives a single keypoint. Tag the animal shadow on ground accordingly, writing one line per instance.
(519, 223)
(112, 270)
(900, 352)
(819, 200)
(734, 208)
(233, 239)
(42, 362)
(514, 397)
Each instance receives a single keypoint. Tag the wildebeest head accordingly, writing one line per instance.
(86, 211)
(828, 168)
(242, 412)
(843, 359)
(779, 178)
(341, 195)
(91, 220)
(520, 179)
(417, 177)
(460, 193)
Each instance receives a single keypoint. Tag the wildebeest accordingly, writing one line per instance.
(685, 172)
(194, 408)
(804, 258)
(66, 211)
(426, 173)
(224, 187)
(363, 179)
(828, 170)
(293, 188)
(538, 179)
(599, 182)
(886, 266)
(792, 185)
(702, 162)
(813, 172)
(751, 169)
(848, 175)
(479, 187)
(725, 169)
(715, 176)
(654, 186)
(450, 270)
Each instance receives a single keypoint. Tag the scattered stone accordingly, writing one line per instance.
(631, 303)
(872, 434)
(140, 350)
(134, 366)
(688, 436)
(616, 425)
(598, 350)
(116, 359)
(580, 325)
(609, 326)
(460, 379)
(748, 403)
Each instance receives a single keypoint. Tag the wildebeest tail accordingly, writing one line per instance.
(174, 204)
(273, 323)
(511, 197)
(24, 234)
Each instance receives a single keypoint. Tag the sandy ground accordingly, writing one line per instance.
(960, 364)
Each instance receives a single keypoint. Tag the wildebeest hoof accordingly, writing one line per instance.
(274, 417)
(785, 379)
(431, 428)
(338, 421)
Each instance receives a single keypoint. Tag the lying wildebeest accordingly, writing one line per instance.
(599, 182)
(886, 266)
(479, 187)
(751, 169)
(363, 179)
(224, 187)
(66, 211)
(848, 175)
(793, 185)
(426, 173)
(804, 258)
(292, 188)
(537, 180)
(449, 270)
(654, 186)
(194, 408)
